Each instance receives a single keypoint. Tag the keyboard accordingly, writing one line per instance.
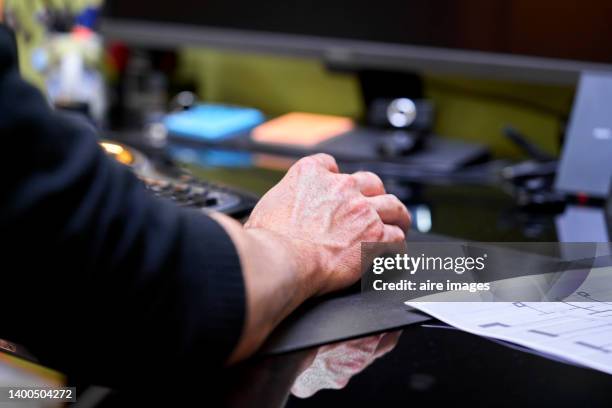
(171, 182)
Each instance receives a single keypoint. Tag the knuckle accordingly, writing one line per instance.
(393, 198)
(305, 165)
(306, 162)
(362, 212)
(325, 156)
(373, 176)
(361, 204)
(325, 160)
(396, 202)
(398, 236)
(394, 234)
(346, 182)
(373, 231)
(401, 207)
(401, 204)
(378, 232)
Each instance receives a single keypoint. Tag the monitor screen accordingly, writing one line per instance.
(466, 32)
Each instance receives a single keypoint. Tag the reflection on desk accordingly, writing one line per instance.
(332, 366)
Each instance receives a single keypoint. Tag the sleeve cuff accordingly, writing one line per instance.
(215, 292)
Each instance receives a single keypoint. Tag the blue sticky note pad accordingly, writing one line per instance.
(213, 122)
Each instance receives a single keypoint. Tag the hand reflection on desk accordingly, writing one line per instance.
(270, 381)
(334, 365)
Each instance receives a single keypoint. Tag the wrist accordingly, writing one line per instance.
(298, 258)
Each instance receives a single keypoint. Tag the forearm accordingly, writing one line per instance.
(278, 278)
(90, 242)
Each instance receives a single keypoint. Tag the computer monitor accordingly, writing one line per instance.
(545, 41)
(585, 166)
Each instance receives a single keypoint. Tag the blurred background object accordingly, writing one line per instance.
(61, 51)
(468, 108)
(434, 92)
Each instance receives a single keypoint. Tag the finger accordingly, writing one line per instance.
(369, 183)
(391, 210)
(393, 233)
(326, 161)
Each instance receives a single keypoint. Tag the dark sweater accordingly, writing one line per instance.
(99, 279)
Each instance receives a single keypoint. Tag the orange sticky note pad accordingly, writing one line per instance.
(301, 129)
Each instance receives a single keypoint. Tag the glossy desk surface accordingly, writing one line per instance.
(424, 363)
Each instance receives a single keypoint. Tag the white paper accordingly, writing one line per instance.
(572, 330)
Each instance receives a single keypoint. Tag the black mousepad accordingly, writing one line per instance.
(343, 316)
(339, 318)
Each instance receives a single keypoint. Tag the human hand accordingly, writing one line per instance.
(324, 216)
(304, 239)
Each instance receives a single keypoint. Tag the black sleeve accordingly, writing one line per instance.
(99, 278)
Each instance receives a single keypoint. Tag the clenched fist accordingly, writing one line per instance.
(326, 215)
(304, 239)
